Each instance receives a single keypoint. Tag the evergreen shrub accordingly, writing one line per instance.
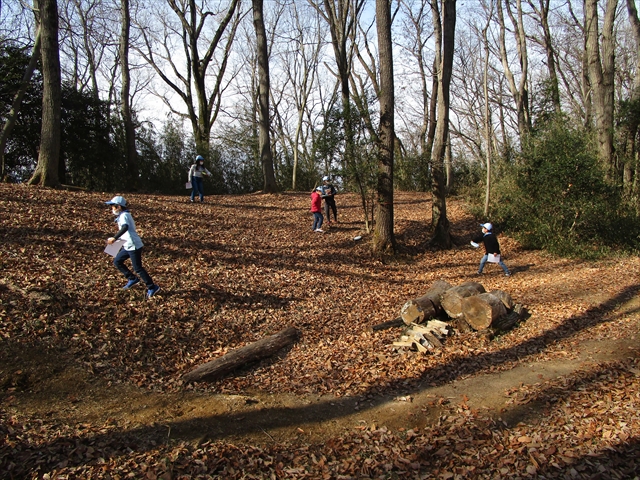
(554, 197)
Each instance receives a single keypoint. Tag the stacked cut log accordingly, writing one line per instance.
(468, 307)
(427, 306)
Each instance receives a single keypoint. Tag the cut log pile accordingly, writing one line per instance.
(466, 308)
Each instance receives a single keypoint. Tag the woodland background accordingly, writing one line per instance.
(529, 108)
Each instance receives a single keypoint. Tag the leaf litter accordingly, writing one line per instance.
(239, 268)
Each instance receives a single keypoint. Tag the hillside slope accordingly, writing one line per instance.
(91, 374)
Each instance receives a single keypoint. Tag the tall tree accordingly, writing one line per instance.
(342, 17)
(264, 141)
(417, 14)
(542, 10)
(383, 238)
(444, 27)
(600, 58)
(301, 68)
(125, 96)
(488, 134)
(519, 90)
(632, 128)
(202, 103)
(46, 172)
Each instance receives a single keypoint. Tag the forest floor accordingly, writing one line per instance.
(91, 375)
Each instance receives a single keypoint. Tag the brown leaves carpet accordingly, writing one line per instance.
(90, 374)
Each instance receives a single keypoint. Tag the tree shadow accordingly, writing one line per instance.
(220, 427)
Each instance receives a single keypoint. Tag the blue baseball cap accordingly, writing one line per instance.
(117, 200)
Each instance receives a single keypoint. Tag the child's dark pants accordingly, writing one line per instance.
(136, 263)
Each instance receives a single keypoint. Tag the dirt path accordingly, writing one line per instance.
(52, 389)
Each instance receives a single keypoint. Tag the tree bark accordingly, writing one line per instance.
(631, 129)
(440, 222)
(481, 310)
(46, 173)
(601, 78)
(504, 297)
(266, 157)
(452, 298)
(125, 97)
(242, 356)
(508, 321)
(383, 238)
(427, 306)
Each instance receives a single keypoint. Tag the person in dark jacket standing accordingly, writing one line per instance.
(491, 248)
(328, 193)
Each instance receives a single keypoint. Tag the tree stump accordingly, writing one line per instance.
(452, 298)
(427, 306)
(250, 353)
(480, 311)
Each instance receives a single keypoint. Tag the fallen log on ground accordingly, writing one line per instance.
(427, 306)
(452, 298)
(396, 322)
(481, 310)
(242, 356)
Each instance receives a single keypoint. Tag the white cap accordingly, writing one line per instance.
(325, 179)
(117, 200)
(488, 226)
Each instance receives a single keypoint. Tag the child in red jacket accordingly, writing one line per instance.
(316, 209)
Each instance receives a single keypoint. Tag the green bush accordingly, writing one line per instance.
(554, 197)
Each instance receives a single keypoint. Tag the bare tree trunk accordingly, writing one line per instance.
(202, 105)
(383, 238)
(448, 165)
(601, 77)
(266, 158)
(631, 154)
(519, 91)
(303, 75)
(487, 116)
(342, 17)
(17, 100)
(125, 95)
(445, 44)
(46, 173)
(418, 50)
(542, 10)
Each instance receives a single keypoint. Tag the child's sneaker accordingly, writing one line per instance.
(319, 230)
(131, 283)
(153, 290)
